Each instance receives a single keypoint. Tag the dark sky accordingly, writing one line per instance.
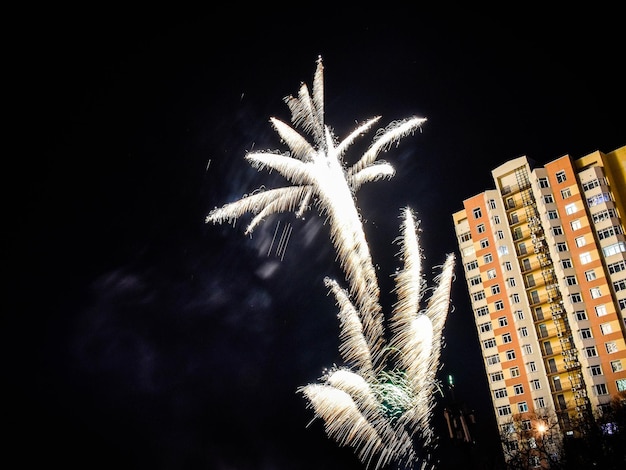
(137, 335)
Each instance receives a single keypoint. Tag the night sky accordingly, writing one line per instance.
(137, 336)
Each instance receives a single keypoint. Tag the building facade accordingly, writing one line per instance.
(544, 258)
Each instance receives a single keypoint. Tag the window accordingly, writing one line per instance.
(504, 411)
(477, 213)
(619, 247)
(565, 193)
(575, 298)
(543, 183)
(506, 338)
(496, 376)
(482, 311)
(491, 203)
(548, 199)
(495, 289)
(585, 258)
(484, 327)
(609, 232)
(560, 176)
(480, 295)
(471, 265)
(535, 384)
(540, 402)
(523, 332)
(598, 199)
(580, 315)
(503, 250)
(591, 184)
(519, 314)
(510, 355)
(600, 310)
(532, 367)
(566, 263)
(591, 351)
(528, 349)
(508, 266)
(604, 215)
(484, 243)
(596, 370)
(552, 215)
(511, 282)
(491, 360)
(489, 343)
(475, 280)
(606, 328)
(575, 224)
(500, 235)
(526, 264)
(510, 203)
(496, 219)
(515, 298)
(571, 280)
(601, 389)
(585, 333)
(502, 321)
(617, 267)
(500, 393)
(518, 389)
(616, 366)
(611, 347)
(571, 208)
(464, 237)
(480, 228)
(491, 274)
(595, 292)
(561, 246)
(619, 285)
(557, 230)
(522, 407)
(499, 305)
(488, 258)
(521, 248)
(590, 275)
(514, 371)
(534, 296)
(622, 304)
(580, 241)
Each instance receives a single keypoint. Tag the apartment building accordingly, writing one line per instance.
(544, 258)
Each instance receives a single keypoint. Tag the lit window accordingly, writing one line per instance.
(595, 292)
(600, 310)
(491, 274)
(611, 347)
(616, 366)
(585, 258)
(606, 328)
(571, 208)
(575, 224)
